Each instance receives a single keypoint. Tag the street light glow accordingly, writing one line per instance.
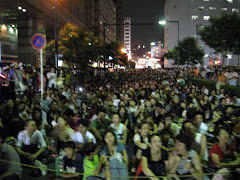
(19, 8)
(162, 22)
(24, 10)
(153, 43)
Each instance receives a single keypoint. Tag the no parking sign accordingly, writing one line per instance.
(38, 41)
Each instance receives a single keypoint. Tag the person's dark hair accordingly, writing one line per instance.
(36, 109)
(27, 122)
(110, 130)
(89, 147)
(100, 109)
(141, 124)
(183, 125)
(151, 136)
(69, 144)
(69, 112)
(191, 113)
(54, 101)
(83, 122)
(221, 99)
(168, 115)
(184, 138)
(226, 128)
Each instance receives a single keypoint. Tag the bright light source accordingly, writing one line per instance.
(13, 26)
(24, 10)
(110, 58)
(143, 46)
(80, 89)
(89, 44)
(123, 50)
(19, 8)
(162, 22)
(4, 27)
(11, 30)
(149, 52)
(219, 62)
(153, 43)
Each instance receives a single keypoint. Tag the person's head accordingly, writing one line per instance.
(69, 149)
(213, 92)
(101, 113)
(198, 119)
(143, 128)
(155, 142)
(37, 114)
(45, 96)
(222, 134)
(132, 103)
(165, 136)
(168, 119)
(68, 113)
(160, 108)
(153, 101)
(122, 111)
(21, 107)
(52, 70)
(10, 103)
(90, 149)
(188, 127)
(229, 109)
(116, 119)
(110, 137)
(222, 101)
(61, 122)
(54, 105)
(182, 143)
(30, 126)
(82, 126)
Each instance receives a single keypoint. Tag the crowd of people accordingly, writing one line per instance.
(152, 123)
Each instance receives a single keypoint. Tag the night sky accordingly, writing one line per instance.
(146, 11)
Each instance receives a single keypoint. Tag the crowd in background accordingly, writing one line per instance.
(140, 122)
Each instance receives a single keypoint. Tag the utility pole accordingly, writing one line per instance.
(56, 35)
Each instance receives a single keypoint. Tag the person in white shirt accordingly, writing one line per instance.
(31, 145)
(83, 135)
(200, 126)
(51, 76)
(232, 77)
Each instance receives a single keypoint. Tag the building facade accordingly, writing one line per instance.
(21, 19)
(193, 15)
(127, 36)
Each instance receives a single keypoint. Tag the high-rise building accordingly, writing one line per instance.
(120, 14)
(21, 19)
(127, 36)
(193, 15)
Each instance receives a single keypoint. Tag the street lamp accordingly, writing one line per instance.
(163, 22)
(153, 43)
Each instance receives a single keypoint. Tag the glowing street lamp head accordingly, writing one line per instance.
(162, 22)
(153, 43)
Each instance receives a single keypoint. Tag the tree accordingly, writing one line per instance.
(188, 52)
(77, 45)
(223, 34)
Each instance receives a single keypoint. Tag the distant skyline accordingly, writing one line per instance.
(146, 11)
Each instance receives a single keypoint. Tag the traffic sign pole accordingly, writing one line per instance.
(39, 42)
(41, 69)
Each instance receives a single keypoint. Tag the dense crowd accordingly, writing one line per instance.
(140, 122)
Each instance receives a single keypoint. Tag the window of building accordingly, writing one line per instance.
(206, 18)
(126, 23)
(224, 9)
(201, 8)
(212, 8)
(126, 36)
(126, 26)
(194, 17)
(126, 29)
(235, 10)
(126, 43)
(126, 33)
(127, 40)
(230, 1)
(206, 55)
(206, 0)
(229, 56)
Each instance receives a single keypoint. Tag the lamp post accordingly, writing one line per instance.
(56, 34)
(163, 22)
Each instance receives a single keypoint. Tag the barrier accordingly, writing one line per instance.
(124, 177)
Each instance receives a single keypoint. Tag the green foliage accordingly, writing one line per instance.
(210, 84)
(114, 49)
(77, 45)
(188, 52)
(223, 34)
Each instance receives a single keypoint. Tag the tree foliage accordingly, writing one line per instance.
(77, 45)
(187, 52)
(223, 34)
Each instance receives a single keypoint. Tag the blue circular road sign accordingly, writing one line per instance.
(38, 41)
